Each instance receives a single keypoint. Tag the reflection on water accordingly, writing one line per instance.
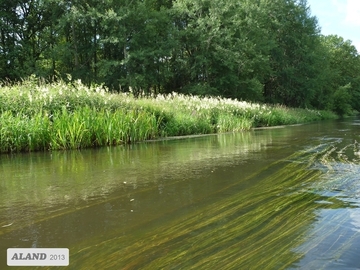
(333, 242)
(267, 199)
(52, 181)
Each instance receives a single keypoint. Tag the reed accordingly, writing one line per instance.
(38, 116)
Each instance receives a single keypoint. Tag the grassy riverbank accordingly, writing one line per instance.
(37, 116)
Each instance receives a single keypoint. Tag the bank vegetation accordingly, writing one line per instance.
(40, 116)
(254, 50)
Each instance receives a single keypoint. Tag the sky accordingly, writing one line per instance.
(338, 17)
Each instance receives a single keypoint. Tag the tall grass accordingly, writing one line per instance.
(38, 116)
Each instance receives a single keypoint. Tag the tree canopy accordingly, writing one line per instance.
(257, 50)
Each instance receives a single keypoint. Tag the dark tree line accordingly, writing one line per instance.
(258, 50)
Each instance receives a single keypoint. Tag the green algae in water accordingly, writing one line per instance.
(273, 224)
(256, 228)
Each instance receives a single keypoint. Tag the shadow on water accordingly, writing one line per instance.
(268, 199)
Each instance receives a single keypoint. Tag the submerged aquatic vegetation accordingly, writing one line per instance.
(37, 116)
(267, 225)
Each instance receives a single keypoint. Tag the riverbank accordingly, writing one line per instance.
(38, 117)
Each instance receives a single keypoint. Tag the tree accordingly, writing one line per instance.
(294, 62)
(258, 50)
(137, 43)
(223, 47)
(341, 100)
(344, 63)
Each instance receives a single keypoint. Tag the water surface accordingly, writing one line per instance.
(283, 198)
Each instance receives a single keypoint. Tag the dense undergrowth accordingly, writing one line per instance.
(37, 116)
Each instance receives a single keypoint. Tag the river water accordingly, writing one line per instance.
(280, 198)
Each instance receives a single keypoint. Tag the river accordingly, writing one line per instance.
(279, 198)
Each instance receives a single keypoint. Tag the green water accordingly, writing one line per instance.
(284, 198)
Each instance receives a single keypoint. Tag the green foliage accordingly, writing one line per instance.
(71, 116)
(341, 100)
(259, 51)
(295, 62)
(343, 80)
(23, 133)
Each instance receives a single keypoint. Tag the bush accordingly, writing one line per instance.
(341, 100)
